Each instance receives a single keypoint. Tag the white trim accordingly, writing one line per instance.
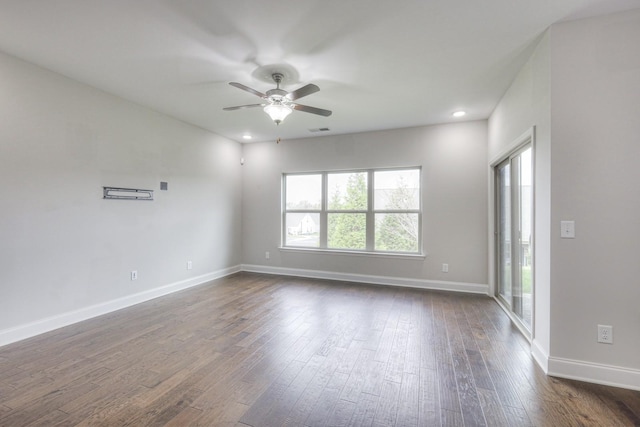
(608, 375)
(476, 288)
(514, 319)
(18, 333)
(518, 143)
(527, 137)
(540, 356)
(397, 255)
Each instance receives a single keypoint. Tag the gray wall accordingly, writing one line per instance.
(581, 89)
(526, 105)
(63, 248)
(453, 158)
(595, 75)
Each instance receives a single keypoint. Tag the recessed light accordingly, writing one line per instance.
(247, 136)
(459, 113)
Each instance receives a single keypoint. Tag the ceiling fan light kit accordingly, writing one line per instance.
(280, 102)
(278, 112)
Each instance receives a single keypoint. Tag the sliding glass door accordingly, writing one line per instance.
(514, 231)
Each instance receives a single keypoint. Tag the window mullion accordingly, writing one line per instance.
(371, 229)
(323, 212)
(283, 204)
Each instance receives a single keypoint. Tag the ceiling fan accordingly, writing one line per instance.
(279, 103)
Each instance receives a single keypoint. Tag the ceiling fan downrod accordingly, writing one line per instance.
(277, 77)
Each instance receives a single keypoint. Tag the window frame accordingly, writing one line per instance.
(370, 213)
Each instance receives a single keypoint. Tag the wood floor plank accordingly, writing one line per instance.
(358, 376)
(408, 401)
(583, 401)
(506, 389)
(479, 370)
(254, 350)
(516, 417)
(365, 410)
(429, 398)
(324, 407)
(451, 418)
(54, 418)
(492, 409)
(226, 413)
(51, 402)
(387, 410)
(620, 401)
(4, 410)
(395, 363)
(270, 397)
(373, 377)
(320, 394)
(342, 414)
(279, 412)
(447, 387)
(188, 416)
(104, 407)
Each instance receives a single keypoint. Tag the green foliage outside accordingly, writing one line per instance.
(526, 279)
(397, 232)
(348, 230)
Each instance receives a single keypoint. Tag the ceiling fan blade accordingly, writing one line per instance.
(312, 110)
(243, 106)
(248, 89)
(303, 91)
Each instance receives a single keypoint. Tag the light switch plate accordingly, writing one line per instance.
(567, 229)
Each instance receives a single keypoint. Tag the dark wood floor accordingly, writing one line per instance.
(258, 350)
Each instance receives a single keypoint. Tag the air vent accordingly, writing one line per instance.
(319, 130)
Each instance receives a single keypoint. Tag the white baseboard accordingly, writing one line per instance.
(41, 326)
(594, 373)
(476, 288)
(540, 356)
(590, 372)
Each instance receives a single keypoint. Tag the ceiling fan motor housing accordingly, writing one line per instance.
(276, 94)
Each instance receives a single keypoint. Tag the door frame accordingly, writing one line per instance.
(528, 137)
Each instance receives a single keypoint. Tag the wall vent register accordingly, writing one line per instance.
(126, 193)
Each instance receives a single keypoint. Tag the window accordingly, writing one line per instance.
(303, 197)
(363, 210)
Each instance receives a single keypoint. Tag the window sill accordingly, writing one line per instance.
(414, 257)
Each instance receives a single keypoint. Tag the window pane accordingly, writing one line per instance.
(347, 231)
(347, 191)
(302, 229)
(397, 232)
(303, 191)
(397, 189)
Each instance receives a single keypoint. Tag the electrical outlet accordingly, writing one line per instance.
(568, 229)
(445, 268)
(605, 334)
(267, 255)
(189, 265)
(134, 275)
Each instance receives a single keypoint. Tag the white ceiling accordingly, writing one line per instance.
(379, 64)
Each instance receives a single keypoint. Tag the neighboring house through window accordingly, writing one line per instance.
(301, 223)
